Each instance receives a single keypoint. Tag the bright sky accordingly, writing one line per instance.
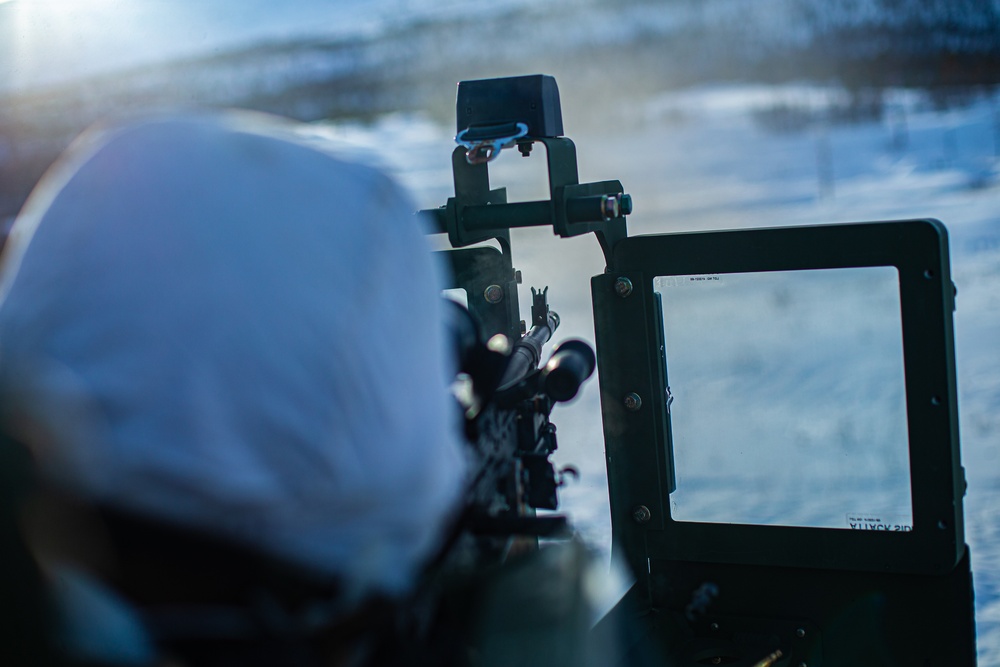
(48, 41)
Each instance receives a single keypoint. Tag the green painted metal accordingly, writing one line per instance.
(476, 270)
(823, 596)
(859, 597)
(477, 213)
(630, 358)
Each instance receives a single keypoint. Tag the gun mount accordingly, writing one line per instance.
(800, 582)
(495, 114)
(513, 437)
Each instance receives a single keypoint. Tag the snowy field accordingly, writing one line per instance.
(702, 160)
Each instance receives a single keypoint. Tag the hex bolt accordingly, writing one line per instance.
(633, 402)
(625, 204)
(641, 514)
(493, 294)
(623, 287)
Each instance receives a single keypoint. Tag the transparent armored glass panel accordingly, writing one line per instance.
(789, 405)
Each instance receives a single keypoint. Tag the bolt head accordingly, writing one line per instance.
(493, 294)
(641, 514)
(623, 287)
(633, 402)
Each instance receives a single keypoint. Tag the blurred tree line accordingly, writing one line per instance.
(614, 53)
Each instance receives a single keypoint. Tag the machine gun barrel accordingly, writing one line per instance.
(527, 352)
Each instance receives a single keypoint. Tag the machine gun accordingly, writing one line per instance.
(507, 400)
(506, 396)
(804, 582)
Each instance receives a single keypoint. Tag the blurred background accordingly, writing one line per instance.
(713, 114)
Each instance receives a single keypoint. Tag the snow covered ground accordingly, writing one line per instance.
(701, 159)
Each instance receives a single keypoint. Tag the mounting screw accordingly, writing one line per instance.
(633, 402)
(800, 633)
(493, 294)
(714, 627)
(623, 287)
(641, 514)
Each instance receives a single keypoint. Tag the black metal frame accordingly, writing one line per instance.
(822, 596)
(630, 349)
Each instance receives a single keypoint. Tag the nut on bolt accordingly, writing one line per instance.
(623, 287)
(625, 204)
(493, 294)
(641, 514)
(632, 402)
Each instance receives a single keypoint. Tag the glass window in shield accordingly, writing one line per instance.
(789, 406)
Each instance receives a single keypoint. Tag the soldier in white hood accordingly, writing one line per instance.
(209, 323)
